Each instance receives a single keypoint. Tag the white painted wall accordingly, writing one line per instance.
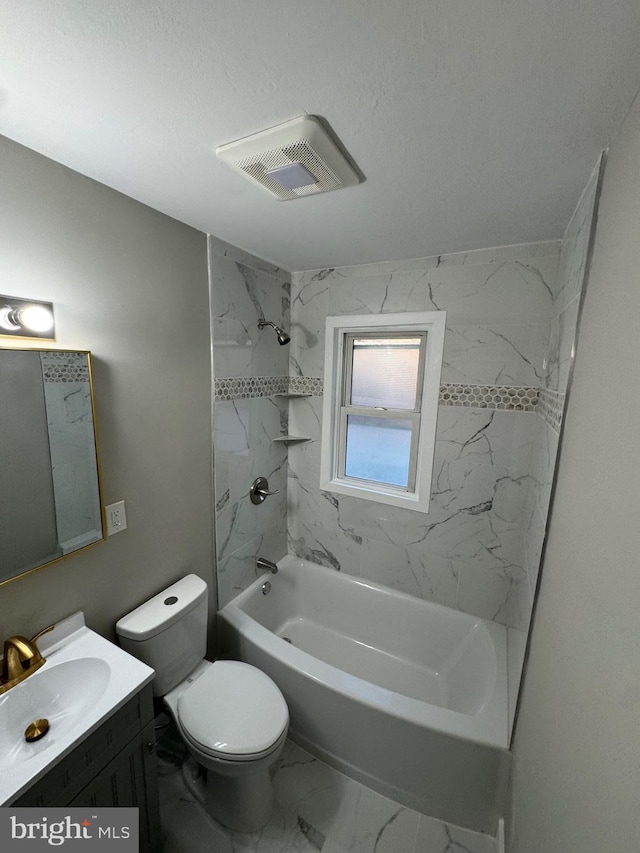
(577, 751)
(129, 284)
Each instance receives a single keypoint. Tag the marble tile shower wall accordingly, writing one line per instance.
(469, 552)
(564, 319)
(510, 325)
(244, 288)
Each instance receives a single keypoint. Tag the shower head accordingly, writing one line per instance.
(282, 338)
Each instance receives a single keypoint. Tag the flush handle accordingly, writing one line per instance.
(259, 490)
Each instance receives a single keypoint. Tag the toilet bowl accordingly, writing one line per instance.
(232, 717)
(234, 721)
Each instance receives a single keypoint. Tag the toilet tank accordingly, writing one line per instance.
(168, 632)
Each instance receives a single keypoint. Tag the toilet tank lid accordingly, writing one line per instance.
(163, 610)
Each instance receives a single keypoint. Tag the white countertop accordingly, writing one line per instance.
(121, 676)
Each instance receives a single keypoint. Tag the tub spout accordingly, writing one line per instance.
(262, 563)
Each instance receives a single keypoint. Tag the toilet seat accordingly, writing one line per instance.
(202, 753)
(233, 711)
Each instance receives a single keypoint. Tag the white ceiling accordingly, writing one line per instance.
(475, 122)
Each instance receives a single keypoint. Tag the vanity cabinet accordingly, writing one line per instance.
(113, 766)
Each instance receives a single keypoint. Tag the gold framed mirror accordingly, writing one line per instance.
(50, 490)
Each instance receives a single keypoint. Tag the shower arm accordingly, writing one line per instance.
(262, 323)
(282, 337)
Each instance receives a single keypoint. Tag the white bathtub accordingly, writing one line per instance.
(407, 696)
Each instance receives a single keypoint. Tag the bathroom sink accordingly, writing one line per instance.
(61, 695)
(84, 679)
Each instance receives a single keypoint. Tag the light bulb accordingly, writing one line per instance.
(26, 318)
(6, 321)
(37, 318)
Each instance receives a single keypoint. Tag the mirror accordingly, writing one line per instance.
(50, 500)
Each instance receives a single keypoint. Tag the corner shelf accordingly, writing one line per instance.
(293, 394)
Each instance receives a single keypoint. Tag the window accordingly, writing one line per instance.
(382, 379)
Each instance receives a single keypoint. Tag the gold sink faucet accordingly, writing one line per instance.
(22, 658)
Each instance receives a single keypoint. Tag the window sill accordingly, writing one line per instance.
(379, 494)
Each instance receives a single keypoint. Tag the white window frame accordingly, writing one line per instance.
(338, 329)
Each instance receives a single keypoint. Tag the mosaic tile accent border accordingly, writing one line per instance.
(504, 397)
(64, 367)
(306, 385)
(490, 397)
(551, 407)
(256, 386)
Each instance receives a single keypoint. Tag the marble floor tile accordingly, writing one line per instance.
(187, 828)
(317, 809)
(351, 816)
(436, 836)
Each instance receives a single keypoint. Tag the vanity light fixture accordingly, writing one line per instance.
(26, 318)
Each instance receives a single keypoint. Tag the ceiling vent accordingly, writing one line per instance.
(291, 160)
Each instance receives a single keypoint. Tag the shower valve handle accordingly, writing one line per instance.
(259, 490)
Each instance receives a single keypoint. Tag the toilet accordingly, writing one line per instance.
(231, 716)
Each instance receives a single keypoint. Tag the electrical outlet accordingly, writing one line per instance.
(116, 518)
